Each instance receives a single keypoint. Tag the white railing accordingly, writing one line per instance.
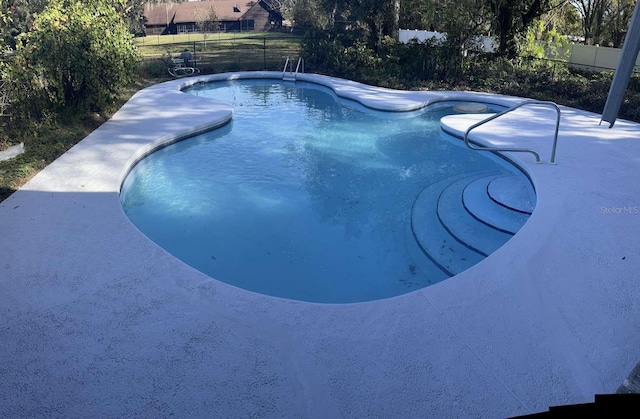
(525, 150)
(287, 71)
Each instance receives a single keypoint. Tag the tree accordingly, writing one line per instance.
(133, 15)
(21, 13)
(392, 22)
(418, 14)
(6, 10)
(308, 14)
(563, 19)
(618, 20)
(207, 21)
(6, 20)
(379, 18)
(284, 7)
(592, 13)
(78, 53)
(463, 21)
(513, 17)
(370, 13)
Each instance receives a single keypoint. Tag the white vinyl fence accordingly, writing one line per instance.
(584, 56)
(595, 58)
(486, 43)
(407, 35)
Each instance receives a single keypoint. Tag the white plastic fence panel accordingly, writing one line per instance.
(406, 35)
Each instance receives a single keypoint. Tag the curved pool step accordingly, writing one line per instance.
(423, 262)
(477, 201)
(455, 223)
(433, 239)
(513, 192)
(462, 225)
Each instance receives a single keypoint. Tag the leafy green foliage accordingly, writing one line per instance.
(512, 18)
(308, 14)
(77, 54)
(7, 10)
(541, 41)
(19, 18)
(347, 55)
(425, 65)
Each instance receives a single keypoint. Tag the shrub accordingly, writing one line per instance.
(77, 54)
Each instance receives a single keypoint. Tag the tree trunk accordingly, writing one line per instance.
(391, 22)
(506, 30)
(374, 35)
(396, 19)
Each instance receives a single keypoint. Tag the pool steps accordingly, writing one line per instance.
(455, 223)
(463, 226)
(422, 262)
(514, 192)
(432, 237)
(479, 203)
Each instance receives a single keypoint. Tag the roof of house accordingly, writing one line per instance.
(192, 11)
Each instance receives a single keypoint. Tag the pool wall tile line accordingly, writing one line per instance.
(96, 320)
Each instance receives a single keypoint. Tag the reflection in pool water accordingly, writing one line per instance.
(302, 195)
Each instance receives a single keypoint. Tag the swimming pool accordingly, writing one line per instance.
(310, 197)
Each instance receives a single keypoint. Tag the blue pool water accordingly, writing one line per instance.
(303, 195)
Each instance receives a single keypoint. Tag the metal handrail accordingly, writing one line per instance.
(525, 150)
(300, 61)
(286, 63)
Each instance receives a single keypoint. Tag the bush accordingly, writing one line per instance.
(155, 68)
(78, 54)
(417, 65)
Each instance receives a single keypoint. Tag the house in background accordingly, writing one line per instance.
(232, 16)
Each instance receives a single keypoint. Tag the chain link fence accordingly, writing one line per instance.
(217, 54)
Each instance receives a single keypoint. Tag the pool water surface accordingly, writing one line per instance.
(303, 195)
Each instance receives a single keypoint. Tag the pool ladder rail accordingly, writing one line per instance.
(525, 150)
(288, 73)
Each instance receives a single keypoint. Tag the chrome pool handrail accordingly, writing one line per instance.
(300, 62)
(525, 150)
(286, 63)
(287, 71)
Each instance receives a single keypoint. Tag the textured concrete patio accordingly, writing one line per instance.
(98, 321)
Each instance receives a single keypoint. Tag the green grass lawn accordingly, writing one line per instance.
(220, 52)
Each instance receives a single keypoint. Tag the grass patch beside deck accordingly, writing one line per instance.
(220, 52)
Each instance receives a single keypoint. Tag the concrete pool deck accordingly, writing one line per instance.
(98, 321)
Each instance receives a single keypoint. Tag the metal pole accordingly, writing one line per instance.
(623, 71)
